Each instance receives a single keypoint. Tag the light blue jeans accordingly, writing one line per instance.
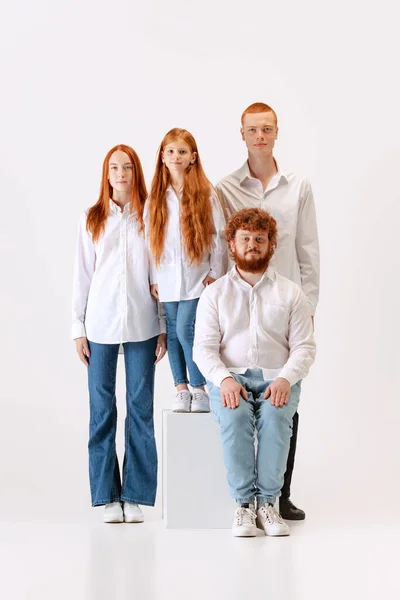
(181, 319)
(255, 473)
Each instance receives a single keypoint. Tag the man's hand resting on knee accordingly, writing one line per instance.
(279, 391)
(231, 391)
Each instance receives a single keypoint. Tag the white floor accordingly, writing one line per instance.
(325, 557)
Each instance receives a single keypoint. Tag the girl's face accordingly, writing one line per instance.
(177, 156)
(120, 171)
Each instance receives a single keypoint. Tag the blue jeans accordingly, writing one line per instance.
(181, 318)
(139, 472)
(255, 474)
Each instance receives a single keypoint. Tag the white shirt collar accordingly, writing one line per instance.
(270, 274)
(170, 190)
(116, 209)
(244, 173)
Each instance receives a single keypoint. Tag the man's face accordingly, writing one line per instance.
(260, 132)
(251, 251)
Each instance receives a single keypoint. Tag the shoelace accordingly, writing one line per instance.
(200, 397)
(272, 514)
(245, 516)
(182, 395)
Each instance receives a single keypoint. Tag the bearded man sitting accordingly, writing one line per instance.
(254, 343)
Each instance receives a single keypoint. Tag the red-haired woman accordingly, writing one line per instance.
(112, 304)
(188, 252)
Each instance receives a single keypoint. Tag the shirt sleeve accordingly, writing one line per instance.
(152, 264)
(300, 339)
(207, 340)
(162, 317)
(219, 248)
(226, 207)
(307, 246)
(85, 261)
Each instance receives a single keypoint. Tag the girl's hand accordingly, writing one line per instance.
(208, 280)
(161, 349)
(154, 290)
(82, 348)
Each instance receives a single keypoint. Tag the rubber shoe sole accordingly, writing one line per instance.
(244, 531)
(280, 531)
(115, 519)
(179, 409)
(200, 408)
(134, 519)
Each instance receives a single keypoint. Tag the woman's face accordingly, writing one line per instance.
(120, 171)
(177, 156)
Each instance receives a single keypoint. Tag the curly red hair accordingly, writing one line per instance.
(252, 219)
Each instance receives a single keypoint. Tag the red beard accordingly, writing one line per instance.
(257, 264)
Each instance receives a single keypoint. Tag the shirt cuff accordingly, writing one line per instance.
(219, 375)
(290, 376)
(78, 330)
(312, 308)
(153, 273)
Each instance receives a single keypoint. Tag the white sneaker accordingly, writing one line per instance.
(244, 524)
(269, 519)
(182, 401)
(113, 513)
(132, 513)
(200, 401)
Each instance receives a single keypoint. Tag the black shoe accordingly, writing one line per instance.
(289, 511)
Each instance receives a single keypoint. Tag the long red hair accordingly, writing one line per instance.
(196, 211)
(98, 213)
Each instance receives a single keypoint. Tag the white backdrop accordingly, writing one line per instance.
(80, 77)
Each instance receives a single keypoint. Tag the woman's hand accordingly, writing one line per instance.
(161, 349)
(208, 280)
(154, 290)
(82, 348)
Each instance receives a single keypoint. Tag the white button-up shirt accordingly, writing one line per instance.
(289, 199)
(177, 279)
(111, 294)
(241, 327)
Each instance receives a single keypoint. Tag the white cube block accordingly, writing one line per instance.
(195, 491)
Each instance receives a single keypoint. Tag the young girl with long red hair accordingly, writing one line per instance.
(188, 252)
(112, 304)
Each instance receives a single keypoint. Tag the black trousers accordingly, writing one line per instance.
(285, 491)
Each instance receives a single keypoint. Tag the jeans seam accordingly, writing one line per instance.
(136, 501)
(115, 427)
(107, 501)
(174, 361)
(126, 439)
(197, 385)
